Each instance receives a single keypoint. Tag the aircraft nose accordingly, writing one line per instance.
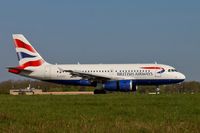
(181, 76)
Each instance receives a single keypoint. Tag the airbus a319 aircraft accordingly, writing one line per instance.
(111, 77)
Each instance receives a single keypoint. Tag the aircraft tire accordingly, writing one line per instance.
(97, 91)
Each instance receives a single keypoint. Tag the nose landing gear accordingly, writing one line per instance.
(157, 90)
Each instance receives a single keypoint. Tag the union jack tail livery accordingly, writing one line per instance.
(29, 59)
(27, 55)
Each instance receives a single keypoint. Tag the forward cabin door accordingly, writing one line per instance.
(157, 74)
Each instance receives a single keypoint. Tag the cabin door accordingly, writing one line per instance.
(157, 73)
(47, 72)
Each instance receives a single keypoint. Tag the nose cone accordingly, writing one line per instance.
(181, 76)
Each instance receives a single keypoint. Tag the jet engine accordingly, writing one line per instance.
(121, 85)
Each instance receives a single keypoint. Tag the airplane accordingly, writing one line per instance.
(105, 77)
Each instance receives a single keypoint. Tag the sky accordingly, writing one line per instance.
(104, 31)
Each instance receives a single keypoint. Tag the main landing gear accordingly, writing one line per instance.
(99, 91)
(134, 89)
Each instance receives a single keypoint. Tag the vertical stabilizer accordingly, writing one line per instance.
(27, 55)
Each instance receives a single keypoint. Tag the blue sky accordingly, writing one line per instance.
(89, 31)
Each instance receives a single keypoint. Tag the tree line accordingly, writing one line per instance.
(184, 87)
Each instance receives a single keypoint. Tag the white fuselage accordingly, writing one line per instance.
(134, 72)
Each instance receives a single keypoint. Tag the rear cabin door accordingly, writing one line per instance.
(47, 72)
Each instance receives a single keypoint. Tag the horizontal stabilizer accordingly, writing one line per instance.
(17, 70)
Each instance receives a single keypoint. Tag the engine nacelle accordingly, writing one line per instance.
(125, 85)
(121, 85)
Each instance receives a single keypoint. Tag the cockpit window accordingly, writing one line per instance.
(172, 70)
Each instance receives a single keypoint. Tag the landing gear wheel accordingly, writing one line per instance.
(99, 91)
(134, 89)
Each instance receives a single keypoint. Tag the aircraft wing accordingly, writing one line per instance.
(89, 76)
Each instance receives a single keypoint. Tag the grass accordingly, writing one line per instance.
(119, 112)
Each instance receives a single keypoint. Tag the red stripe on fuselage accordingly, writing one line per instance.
(154, 67)
(21, 44)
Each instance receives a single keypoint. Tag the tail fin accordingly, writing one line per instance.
(27, 55)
